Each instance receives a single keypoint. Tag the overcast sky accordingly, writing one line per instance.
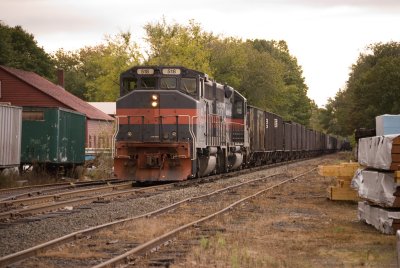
(326, 36)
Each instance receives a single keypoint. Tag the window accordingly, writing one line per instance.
(33, 115)
(168, 82)
(239, 107)
(148, 82)
(220, 94)
(208, 92)
(0, 89)
(189, 85)
(128, 85)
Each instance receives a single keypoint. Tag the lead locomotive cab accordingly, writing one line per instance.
(157, 117)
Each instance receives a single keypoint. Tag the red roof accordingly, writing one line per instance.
(58, 93)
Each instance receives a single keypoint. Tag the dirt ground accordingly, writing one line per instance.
(294, 226)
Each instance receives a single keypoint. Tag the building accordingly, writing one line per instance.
(23, 88)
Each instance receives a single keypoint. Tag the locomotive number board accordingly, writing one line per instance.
(166, 71)
(171, 71)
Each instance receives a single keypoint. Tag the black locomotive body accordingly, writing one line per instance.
(175, 123)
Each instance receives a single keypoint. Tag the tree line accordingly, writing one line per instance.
(264, 71)
(372, 89)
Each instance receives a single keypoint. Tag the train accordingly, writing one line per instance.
(174, 123)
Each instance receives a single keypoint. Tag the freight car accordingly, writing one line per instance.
(175, 123)
(53, 139)
(10, 136)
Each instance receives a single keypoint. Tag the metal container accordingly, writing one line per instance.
(257, 123)
(303, 138)
(52, 136)
(10, 136)
(296, 136)
(274, 132)
(288, 142)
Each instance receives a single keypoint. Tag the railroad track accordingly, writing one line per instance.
(134, 235)
(7, 194)
(41, 202)
(17, 209)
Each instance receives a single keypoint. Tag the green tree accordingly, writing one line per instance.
(19, 49)
(103, 65)
(74, 78)
(175, 44)
(291, 101)
(92, 73)
(373, 89)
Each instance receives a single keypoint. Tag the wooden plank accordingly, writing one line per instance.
(396, 141)
(351, 164)
(342, 170)
(347, 171)
(395, 166)
(396, 149)
(345, 178)
(343, 183)
(342, 194)
(395, 158)
(329, 171)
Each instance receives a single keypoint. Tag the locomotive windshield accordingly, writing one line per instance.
(188, 85)
(160, 78)
(168, 82)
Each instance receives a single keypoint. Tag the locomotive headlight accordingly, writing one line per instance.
(154, 100)
(129, 134)
(173, 134)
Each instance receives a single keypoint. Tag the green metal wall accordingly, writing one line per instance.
(58, 137)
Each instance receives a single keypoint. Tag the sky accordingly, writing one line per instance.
(326, 36)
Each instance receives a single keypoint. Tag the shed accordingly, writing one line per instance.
(28, 89)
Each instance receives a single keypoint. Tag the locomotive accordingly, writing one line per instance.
(174, 123)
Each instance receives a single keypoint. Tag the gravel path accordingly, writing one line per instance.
(19, 236)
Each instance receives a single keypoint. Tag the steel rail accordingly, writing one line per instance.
(126, 257)
(47, 187)
(74, 202)
(61, 187)
(33, 251)
(56, 197)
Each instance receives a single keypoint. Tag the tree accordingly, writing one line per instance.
(176, 44)
(19, 49)
(92, 73)
(373, 89)
(73, 76)
(291, 100)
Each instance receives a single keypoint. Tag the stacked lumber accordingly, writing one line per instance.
(385, 220)
(380, 188)
(343, 173)
(380, 152)
(379, 185)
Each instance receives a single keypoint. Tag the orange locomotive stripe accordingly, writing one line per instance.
(234, 120)
(152, 116)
